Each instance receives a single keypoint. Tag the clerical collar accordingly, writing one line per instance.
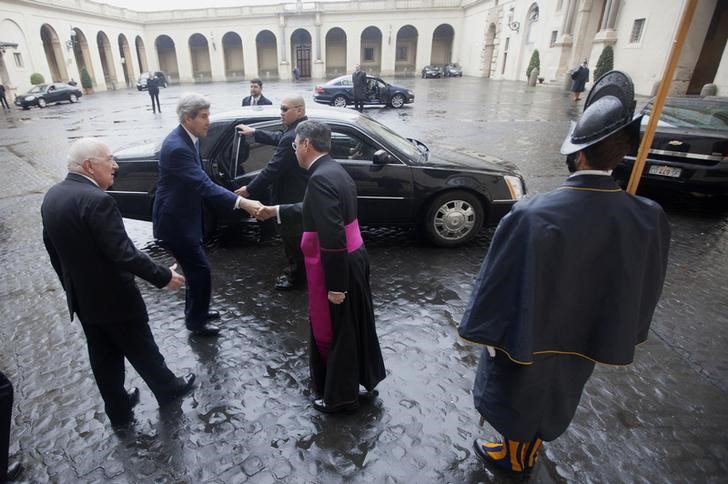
(591, 172)
(192, 136)
(315, 160)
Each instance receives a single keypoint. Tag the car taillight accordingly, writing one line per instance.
(319, 89)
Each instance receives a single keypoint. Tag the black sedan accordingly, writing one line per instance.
(690, 149)
(431, 71)
(400, 181)
(452, 70)
(44, 94)
(340, 91)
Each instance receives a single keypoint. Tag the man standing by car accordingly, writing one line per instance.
(288, 182)
(572, 277)
(177, 213)
(359, 80)
(256, 97)
(3, 100)
(153, 86)
(96, 262)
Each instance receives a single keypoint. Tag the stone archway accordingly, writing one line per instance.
(232, 51)
(266, 48)
(442, 41)
(405, 60)
(107, 60)
(141, 53)
(301, 52)
(54, 54)
(126, 60)
(200, 55)
(371, 50)
(335, 52)
(167, 56)
(82, 54)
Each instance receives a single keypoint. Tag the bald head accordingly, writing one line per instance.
(293, 108)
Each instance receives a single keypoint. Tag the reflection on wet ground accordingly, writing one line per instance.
(250, 418)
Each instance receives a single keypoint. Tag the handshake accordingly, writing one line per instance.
(254, 207)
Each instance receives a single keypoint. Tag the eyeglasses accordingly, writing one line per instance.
(295, 144)
(285, 109)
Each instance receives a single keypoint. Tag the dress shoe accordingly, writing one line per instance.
(206, 330)
(213, 315)
(182, 386)
(133, 397)
(15, 470)
(285, 283)
(320, 405)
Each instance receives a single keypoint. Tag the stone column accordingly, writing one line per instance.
(318, 68)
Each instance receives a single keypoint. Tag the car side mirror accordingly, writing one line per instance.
(381, 157)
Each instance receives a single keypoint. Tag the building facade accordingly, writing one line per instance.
(489, 38)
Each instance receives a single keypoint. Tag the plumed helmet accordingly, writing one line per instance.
(609, 108)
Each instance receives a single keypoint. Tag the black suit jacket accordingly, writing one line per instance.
(92, 254)
(263, 101)
(282, 173)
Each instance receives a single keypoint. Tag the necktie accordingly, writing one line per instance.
(253, 102)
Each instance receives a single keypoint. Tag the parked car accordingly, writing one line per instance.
(144, 77)
(452, 70)
(400, 181)
(431, 71)
(44, 94)
(339, 92)
(690, 148)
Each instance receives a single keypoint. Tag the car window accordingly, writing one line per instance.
(37, 89)
(346, 145)
(693, 114)
(258, 155)
(382, 133)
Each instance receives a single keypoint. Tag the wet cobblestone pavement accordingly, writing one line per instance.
(665, 419)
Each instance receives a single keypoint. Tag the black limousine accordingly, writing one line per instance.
(400, 181)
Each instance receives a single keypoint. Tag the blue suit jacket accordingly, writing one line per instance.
(182, 187)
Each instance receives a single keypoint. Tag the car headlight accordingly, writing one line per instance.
(29, 98)
(515, 186)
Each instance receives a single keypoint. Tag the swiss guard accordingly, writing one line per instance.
(571, 279)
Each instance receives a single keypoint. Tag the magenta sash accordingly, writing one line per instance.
(318, 301)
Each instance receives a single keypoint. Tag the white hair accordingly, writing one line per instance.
(191, 103)
(84, 149)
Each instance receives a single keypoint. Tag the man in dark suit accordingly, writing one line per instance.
(182, 189)
(13, 471)
(288, 181)
(256, 97)
(153, 87)
(359, 79)
(96, 262)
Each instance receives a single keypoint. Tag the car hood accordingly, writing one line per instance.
(146, 151)
(451, 157)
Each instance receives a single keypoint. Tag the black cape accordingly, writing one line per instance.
(575, 271)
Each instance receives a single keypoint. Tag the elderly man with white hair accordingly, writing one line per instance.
(178, 206)
(96, 262)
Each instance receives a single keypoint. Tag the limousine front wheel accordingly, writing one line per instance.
(453, 218)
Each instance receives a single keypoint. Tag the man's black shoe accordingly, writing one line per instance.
(320, 405)
(15, 470)
(366, 395)
(182, 386)
(133, 397)
(213, 315)
(206, 330)
(285, 283)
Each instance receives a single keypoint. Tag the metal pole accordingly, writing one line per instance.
(672, 60)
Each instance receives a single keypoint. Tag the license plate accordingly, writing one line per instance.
(663, 170)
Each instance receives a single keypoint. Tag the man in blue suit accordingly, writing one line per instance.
(177, 214)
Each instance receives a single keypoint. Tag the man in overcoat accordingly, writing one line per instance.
(359, 79)
(572, 278)
(287, 182)
(96, 263)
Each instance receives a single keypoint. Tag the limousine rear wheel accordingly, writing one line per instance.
(397, 101)
(340, 101)
(454, 218)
